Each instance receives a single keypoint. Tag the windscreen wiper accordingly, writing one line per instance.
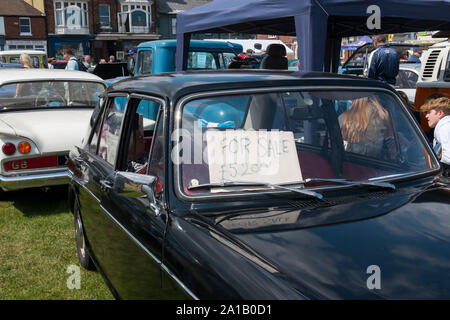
(385, 185)
(224, 184)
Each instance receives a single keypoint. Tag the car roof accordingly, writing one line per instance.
(442, 44)
(411, 66)
(25, 75)
(177, 84)
(19, 52)
(193, 43)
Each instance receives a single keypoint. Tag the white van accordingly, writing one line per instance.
(434, 76)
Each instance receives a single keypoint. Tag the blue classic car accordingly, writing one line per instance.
(260, 185)
(159, 56)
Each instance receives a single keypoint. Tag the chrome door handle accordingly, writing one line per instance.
(80, 160)
(106, 184)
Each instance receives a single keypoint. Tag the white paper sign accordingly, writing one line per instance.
(201, 60)
(252, 156)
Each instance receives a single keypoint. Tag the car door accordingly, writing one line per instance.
(133, 247)
(96, 163)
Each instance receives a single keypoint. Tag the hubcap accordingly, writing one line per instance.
(79, 236)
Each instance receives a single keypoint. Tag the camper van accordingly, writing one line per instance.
(434, 76)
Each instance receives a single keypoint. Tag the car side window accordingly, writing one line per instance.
(141, 138)
(138, 140)
(157, 158)
(96, 120)
(447, 68)
(145, 62)
(35, 62)
(110, 131)
(406, 79)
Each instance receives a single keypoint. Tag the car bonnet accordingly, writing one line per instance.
(404, 236)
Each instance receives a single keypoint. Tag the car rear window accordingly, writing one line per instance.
(40, 94)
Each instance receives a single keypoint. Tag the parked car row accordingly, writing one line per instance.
(45, 112)
(233, 184)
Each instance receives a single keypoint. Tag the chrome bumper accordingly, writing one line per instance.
(9, 183)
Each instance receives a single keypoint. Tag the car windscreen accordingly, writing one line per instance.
(287, 137)
(41, 94)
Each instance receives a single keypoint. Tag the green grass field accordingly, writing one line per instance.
(37, 247)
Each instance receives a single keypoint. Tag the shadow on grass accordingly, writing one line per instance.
(37, 201)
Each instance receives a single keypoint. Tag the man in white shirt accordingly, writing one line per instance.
(437, 113)
(72, 63)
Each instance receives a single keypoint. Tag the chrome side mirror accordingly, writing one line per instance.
(135, 185)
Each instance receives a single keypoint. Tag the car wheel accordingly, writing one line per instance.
(83, 250)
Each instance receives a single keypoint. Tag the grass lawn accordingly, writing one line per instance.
(37, 246)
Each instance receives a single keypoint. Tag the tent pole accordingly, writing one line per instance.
(183, 43)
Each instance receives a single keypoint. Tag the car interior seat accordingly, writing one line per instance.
(276, 58)
(137, 143)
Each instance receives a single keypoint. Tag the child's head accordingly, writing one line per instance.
(435, 110)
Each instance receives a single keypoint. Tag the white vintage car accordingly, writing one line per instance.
(43, 113)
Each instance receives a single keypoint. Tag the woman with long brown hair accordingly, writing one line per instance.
(366, 128)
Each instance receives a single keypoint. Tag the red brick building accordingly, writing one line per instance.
(99, 27)
(21, 26)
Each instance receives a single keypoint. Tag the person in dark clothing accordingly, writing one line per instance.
(417, 53)
(385, 61)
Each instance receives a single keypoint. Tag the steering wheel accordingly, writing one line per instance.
(49, 97)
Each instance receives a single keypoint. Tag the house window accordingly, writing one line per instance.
(174, 25)
(71, 14)
(2, 26)
(136, 16)
(105, 21)
(25, 26)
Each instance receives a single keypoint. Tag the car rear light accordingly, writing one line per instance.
(9, 148)
(24, 147)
